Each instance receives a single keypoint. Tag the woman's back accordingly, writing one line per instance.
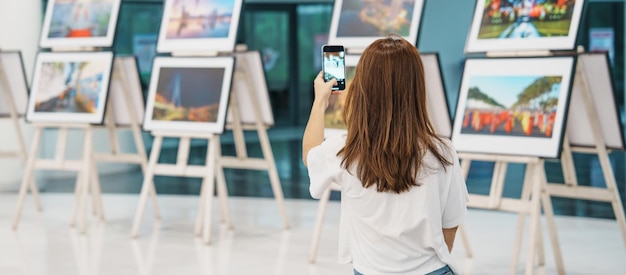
(402, 191)
(385, 232)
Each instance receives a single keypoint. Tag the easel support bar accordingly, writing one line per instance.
(61, 144)
(118, 158)
(10, 155)
(497, 158)
(249, 163)
(180, 171)
(586, 150)
(63, 165)
(506, 204)
(580, 192)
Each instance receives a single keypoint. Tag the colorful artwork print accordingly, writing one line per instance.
(80, 18)
(503, 19)
(512, 105)
(333, 117)
(188, 94)
(360, 18)
(200, 19)
(71, 87)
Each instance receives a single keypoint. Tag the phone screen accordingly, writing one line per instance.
(334, 66)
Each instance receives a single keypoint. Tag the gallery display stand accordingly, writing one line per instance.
(213, 169)
(537, 192)
(571, 189)
(21, 152)
(87, 181)
(533, 197)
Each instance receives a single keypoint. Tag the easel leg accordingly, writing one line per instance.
(199, 221)
(148, 183)
(273, 174)
(28, 174)
(87, 158)
(142, 152)
(222, 190)
(209, 183)
(465, 167)
(549, 212)
(35, 192)
(97, 191)
(78, 187)
(465, 241)
(521, 218)
(535, 213)
(319, 223)
(616, 202)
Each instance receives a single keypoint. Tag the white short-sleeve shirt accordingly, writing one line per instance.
(389, 233)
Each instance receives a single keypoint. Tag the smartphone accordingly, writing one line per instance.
(334, 65)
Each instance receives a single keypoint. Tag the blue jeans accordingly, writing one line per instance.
(442, 271)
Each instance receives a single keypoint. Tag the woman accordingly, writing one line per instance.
(402, 193)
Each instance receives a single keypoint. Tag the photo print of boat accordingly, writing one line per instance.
(199, 19)
(523, 106)
(188, 94)
(504, 19)
(366, 18)
(70, 87)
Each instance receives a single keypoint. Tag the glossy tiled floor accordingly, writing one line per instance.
(46, 245)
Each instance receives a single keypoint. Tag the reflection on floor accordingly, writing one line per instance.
(45, 244)
(286, 145)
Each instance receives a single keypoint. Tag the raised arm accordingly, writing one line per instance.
(314, 132)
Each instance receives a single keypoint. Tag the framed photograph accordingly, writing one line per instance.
(79, 23)
(125, 69)
(355, 24)
(253, 80)
(513, 106)
(12, 66)
(199, 25)
(517, 25)
(189, 94)
(70, 87)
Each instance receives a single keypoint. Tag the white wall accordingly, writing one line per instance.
(20, 26)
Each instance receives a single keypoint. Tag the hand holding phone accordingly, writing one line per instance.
(334, 65)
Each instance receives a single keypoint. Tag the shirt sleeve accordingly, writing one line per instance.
(324, 167)
(455, 208)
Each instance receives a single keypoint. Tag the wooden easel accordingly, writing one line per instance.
(14, 117)
(571, 189)
(86, 166)
(59, 163)
(121, 74)
(213, 169)
(530, 203)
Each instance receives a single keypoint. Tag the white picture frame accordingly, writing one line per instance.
(215, 73)
(523, 25)
(436, 96)
(522, 125)
(249, 67)
(597, 71)
(347, 28)
(190, 40)
(55, 31)
(13, 67)
(126, 65)
(59, 87)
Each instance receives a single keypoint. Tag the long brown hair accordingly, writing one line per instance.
(389, 130)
